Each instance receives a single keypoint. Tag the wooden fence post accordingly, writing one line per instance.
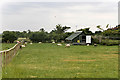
(7, 55)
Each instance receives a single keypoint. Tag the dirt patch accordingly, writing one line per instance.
(80, 60)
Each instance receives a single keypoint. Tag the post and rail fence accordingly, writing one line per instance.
(7, 55)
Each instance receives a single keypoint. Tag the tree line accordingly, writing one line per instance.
(58, 34)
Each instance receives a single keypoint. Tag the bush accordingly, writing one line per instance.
(107, 42)
(95, 40)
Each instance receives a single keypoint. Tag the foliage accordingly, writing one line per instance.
(9, 36)
(59, 29)
(98, 32)
(109, 42)
(58, 34)
(38, 37)
(86, 31)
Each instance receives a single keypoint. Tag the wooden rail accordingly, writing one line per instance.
(7, 55)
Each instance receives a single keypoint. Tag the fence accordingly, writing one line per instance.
(7, 55)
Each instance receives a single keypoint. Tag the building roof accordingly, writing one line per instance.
(71, 37)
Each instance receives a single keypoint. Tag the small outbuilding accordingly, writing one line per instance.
(79, 37)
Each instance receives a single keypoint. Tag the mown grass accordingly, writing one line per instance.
(51, 61)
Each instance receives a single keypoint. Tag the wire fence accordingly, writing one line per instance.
(7, 55)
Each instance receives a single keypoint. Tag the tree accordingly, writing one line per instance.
(86, 31)
(38, 37)
(98, 32)
(42, 30)
(99, 27)
(9, 36)
(58, 34)
(59, 29)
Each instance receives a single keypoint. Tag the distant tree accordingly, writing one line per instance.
(42, 30)
(99, 27)
(59, 29)
(86, 31)
(29, 33)
(58, 34)
(8, 36)
(98, 32)
(38, 37)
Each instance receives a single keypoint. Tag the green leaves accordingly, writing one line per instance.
(9, 36)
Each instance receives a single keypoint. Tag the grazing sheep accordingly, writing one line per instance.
(25, 42)
(22, 45)
(67, 45)
(95, 44)
(59, 44)
(53, 42)
(40, 42)
(30, 43)
(87, 44)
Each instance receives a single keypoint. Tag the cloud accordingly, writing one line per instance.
(36, 15)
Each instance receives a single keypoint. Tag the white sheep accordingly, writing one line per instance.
(25, 42)
(59, 44)
(40, 42)
(53, 42)
(30, 43)
(22, 45)
(95, 45)
(67, 45)
(87, 44)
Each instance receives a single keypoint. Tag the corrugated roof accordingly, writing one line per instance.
(71, 37)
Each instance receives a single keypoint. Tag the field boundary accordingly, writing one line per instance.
(7, 55)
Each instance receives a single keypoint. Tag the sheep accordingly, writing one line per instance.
(53, 42)
(87, 44)
(40, 42)
(95, 44)
(22, 45)
(30, 43)
(59, 44)
(67, 45)
(25, 42)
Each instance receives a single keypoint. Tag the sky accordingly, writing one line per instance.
(20, 16)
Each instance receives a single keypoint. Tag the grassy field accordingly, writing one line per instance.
(5, 46)
(52, 61)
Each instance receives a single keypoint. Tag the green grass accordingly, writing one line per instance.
(52, 61)
(5, 46)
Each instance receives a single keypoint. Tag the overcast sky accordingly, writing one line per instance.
(19, 16)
